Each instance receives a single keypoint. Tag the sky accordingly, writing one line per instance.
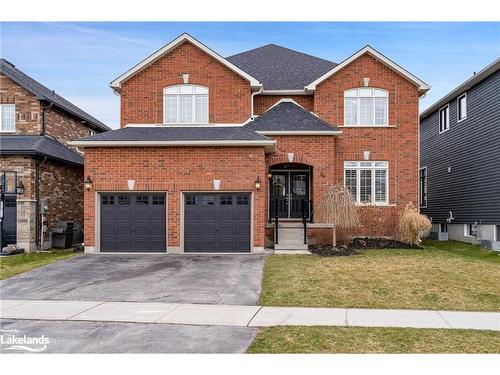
(78, 60)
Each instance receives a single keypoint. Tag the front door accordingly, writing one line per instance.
(288, 192)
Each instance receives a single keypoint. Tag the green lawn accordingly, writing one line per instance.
(444, 275)
(287, 339)
(13, 265)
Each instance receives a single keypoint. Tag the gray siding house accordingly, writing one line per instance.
(460, 161)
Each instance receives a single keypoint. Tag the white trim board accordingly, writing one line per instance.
(422, 86)
(117, 82)
(268, 144)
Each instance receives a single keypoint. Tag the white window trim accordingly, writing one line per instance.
(193, 105)
(419, 184)
(1, 121)
(464, 95)
(373, 168)
(358, 108)
(447, 118)
(466, 231)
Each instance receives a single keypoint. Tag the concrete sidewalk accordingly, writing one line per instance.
(242, 316)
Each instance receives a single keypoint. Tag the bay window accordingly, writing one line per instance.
(185, 104)
(366, 107)
(367, 181)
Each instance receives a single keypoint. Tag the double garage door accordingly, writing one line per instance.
(218, 222)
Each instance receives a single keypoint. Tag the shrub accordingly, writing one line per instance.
(412, 225)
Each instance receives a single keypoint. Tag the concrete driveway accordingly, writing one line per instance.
(104, 337)
(211, 279)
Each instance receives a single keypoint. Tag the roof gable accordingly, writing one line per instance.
(288, 117)
(44, 93)
(116, 83)
(422, 86)
(280, 68)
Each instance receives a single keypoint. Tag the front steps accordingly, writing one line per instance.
(291, 239)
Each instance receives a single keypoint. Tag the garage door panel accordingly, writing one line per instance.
(133, 222)
(216, 223)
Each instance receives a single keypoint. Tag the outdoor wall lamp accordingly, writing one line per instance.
(258, 183)
(88, 183)
(20, 188)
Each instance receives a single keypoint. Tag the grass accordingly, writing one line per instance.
(445, 275)
(287, 339)
(16, 264)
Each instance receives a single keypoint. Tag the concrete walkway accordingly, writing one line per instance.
(242, 316)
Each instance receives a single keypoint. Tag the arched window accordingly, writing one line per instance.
(185, 104)
(366, 106)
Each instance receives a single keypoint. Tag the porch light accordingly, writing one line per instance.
(88, 183)
(258, 183)
(269, 175)
(20, 188)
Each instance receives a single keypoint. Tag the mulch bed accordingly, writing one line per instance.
(360, 244)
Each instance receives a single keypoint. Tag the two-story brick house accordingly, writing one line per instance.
(211, 149)
(36, 127)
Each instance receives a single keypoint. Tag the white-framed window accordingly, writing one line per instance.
(185, 104)
(443, 227)
(468, 230)
(368, 181)
(444, 118)
(462, 107)
(7, 117)
(423, 187)
(366, 106)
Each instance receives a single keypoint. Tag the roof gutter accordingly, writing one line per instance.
(268, 144)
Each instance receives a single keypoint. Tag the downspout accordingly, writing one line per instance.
(38, 231)
(251, 100)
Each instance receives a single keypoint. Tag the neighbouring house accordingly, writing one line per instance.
(213, 152)
(36, 126)
(460, 157)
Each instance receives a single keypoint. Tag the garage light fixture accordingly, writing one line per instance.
(20, 188)
(88, 183)
(258, 183)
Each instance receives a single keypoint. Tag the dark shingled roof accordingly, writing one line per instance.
(178, 133)
(289, 116)
(44, 93)
(280, 68)
(38, 145)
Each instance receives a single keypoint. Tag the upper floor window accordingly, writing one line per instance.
(367, 181)
(8, 117)
(185, 104)
(462, 107)
(366, 106)
(444, 118)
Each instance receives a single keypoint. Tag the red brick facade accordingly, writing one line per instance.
(142, 95)
(176, 170)
(229, 102)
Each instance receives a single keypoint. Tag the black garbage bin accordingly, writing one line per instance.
(62, 235)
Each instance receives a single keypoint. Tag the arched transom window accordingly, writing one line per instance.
(185, 104)
(366, 106)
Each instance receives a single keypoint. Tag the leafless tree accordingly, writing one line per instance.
(337, 207)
